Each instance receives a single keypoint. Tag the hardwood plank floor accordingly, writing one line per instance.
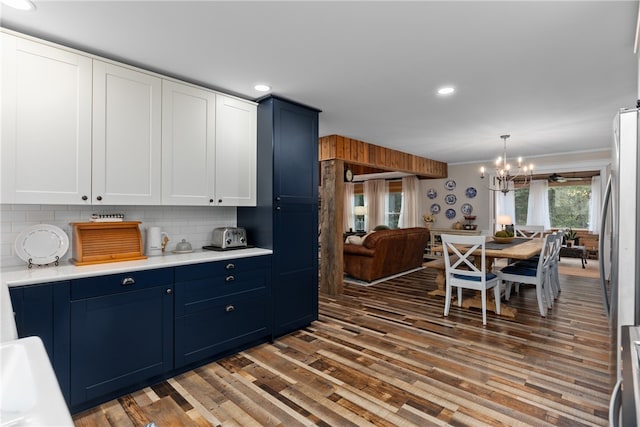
(385, 355)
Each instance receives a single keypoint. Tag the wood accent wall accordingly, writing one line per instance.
(362, 153)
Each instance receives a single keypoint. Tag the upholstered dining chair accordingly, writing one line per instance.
(461, 270)
(533, 272)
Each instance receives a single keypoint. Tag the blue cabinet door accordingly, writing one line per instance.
(120, 340)
(43, 310)
(295, 272)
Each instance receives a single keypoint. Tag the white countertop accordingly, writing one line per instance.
(20, 276)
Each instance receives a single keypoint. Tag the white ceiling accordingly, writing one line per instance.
(550, 73)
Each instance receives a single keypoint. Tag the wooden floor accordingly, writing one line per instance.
(385, 355)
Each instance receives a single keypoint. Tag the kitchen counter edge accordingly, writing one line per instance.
(21, 276)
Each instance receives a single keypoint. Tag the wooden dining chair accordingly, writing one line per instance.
(529, 231)
(552, 273)
(533, 272)
(461, 270)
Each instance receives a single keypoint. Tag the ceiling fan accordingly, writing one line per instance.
(559, 178)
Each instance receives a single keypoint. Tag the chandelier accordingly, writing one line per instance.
(504, 176)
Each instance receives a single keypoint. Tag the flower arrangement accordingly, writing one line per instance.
(429, 218)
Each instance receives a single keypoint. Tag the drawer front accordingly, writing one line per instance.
(221, 268)
(202, 294)
(123, 282)
(233, 322)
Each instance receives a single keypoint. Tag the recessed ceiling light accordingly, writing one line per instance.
(447, 90)
(262, 88)
(20, 4)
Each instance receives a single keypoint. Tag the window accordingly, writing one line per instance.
(393, 205)
(392, 208)
(568, 205)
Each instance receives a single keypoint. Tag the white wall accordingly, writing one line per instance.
(468, 175)
(193, 223)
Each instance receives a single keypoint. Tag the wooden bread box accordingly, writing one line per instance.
(100, 242)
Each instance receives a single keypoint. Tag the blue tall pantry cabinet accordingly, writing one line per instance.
(286, 216)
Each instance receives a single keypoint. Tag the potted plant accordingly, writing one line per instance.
(571, 237)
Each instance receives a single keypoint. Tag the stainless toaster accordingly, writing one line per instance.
(229, 237)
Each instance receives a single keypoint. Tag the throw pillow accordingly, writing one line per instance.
(354, 240)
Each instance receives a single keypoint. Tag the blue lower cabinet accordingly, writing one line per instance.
(121, 339)
(227, 325)
(114, 334)
(221, 307)
(43, 310)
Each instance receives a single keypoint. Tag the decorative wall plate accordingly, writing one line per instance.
(435, 208)
(471, 192)
(466, 209)
(450, 213)
(42, 244)
(450, 199)
(450, 184)
(432, 193)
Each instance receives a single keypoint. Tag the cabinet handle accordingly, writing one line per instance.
(230, 266)
(84, 197)
(229, 308)
(169, 291)
(278, 208)
(219, 200)
(277, 198)
(229, 279)
(210, 200)
(128, 281)
(99, 198)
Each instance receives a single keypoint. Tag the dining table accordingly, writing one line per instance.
(518, 249)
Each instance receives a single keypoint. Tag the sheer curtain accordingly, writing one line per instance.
(348, 206)
(374, 196)
(595, 203)
(505, 205)
(538, 206)
(410, 210)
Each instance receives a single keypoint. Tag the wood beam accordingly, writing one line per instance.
(331, 226)
(362, 153)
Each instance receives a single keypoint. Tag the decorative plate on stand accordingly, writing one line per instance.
(41, 244)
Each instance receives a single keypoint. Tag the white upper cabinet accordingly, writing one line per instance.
(126, 136)
(236, 152)
(77, 129)
(188, 145)
(46, 124)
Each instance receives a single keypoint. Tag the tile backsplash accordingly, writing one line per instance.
(193, 223)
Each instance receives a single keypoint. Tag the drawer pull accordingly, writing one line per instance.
(230, 266)
(128, 281)
(229, 279)
(169, 291)
(229, 308)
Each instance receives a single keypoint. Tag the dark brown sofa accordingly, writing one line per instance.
(386, 252)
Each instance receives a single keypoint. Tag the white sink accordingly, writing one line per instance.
(29, 391)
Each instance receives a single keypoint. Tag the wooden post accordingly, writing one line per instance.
(331, 226)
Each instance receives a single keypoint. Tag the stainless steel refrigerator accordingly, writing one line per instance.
(619, 251)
